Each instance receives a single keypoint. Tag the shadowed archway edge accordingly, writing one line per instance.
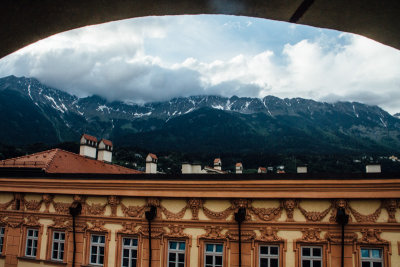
(24, 22)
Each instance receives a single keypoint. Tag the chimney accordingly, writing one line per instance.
(302, 169)
(217, 164)
(373, 168)
(104, 151)
(186, 168)
(196, 168)
(262, 170)
(239, 168)
(88, 146)
(151, 163)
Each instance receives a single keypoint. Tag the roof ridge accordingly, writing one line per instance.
(24, 156)
(52, 158)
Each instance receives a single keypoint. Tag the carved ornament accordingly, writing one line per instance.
(61, 207)
(32, 221)
(289, 205)
(171, 215)
(217, 215)
(269, 234)
(152, 201)
(156, 231)
(195, 204)
(14, 222)
(33, 205)
(18, 198)
(129, 228)
(47, 199)
(371, 236)
(176, 231)
(247, 235)
(311, 235)
(61, 223)
(339, 203)
(213, 232)
(336, 237)
(113, 201)
(314, 216)
(365, 218)
(96, 226)
(390, 206)
(133, 211)
(269, 214)
(96, 209)
(4, 206)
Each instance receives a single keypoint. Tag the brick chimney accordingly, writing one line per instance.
(151, 163)
(104, 151)
(88, 146)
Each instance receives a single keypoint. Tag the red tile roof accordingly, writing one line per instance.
(239, 164)
(217, 160)
(152, 156)
(61, 161)
(263, 169)
(89, 137)
(107, 142)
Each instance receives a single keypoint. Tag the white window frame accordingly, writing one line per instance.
(60, 244)
(312, 258)
(213, 254)
(34, 242)
(176, 251)
(2, 232)
(268, 256)
(131, 248)
(98, 245)
(369, 259)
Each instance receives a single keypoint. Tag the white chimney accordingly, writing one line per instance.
(151, 163)
(375, 168)
(217, 164)
(239, 168)
(186, 168)
(104, 151)
(302, 169)
(196, 168)
(88, 146)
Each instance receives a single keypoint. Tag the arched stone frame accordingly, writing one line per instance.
(213, 235)
(176, 234)
(269, 237)
(311, 237)
(97, 228)
(371, 239)
(59, 225)
(129, 231)
(32, 223)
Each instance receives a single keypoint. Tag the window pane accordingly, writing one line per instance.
(101, 250)
(181, 257)
(209, 248)
(209, 260)
(273, 250)
(127, 241)
(182, 245)
(306, 263)
(172, 257)
(125, 262)
(102, 239)
(365, 264)
(36, 233)
(274, 262)
(218, 260)
(134, 253)
(54, 254)
(376, 254)
(62, 246)
(219, 248)
(126, 253)
(93, 259)
(133, 263)
(61, 255)
(34, 252)
(62, 236)
(264, 263)
(316, 252)
(172, 245)
(306, 252)
(56, 235)
(101, 259)
(181, 265)
(377, 264)
(35, 243)
(264, 250)
(29, 242)
(94, 250)
(364, 253)
(95, 238)
(134, 242)
(55, 246)
(171, 264)
(316, 263)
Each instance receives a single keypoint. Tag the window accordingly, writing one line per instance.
(269, 256)
(129, 252)
(31, 242)
(213, 255)
(97, 244)
(371, 257)
(311, 256)
(57, 251)
(176, 253)
(2, 231)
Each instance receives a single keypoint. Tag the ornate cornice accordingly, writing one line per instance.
(269, 234)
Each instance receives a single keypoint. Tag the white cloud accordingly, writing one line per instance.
(133, 60)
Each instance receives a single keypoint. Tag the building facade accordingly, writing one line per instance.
(288, 221)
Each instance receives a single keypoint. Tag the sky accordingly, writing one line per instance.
(158, 58)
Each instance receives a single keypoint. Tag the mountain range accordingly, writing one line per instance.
(33, 112)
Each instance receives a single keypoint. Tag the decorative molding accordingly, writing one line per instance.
(269, 214)
(113, 201)
(390, 205)
(3, 219)
(129, 228)
(371, 236)
(61, 223)
(156, 231)
(195, 204)
(366, 218)
(241, 203)
(61, 207)
(314, 216)
(153, 201)
(289, 205)
(336, 237)
(269, 234)
(213, 233)
(133, 211)
(32, 221)
(96, 209)
(217, 215)
(18, 197)
(15, 222)
(311, 235)
(4, 206)
(47, 199)
(339, 203)
(33, 205)
(176, 231)
(247, 235)
(96, 226)
(171, 215)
